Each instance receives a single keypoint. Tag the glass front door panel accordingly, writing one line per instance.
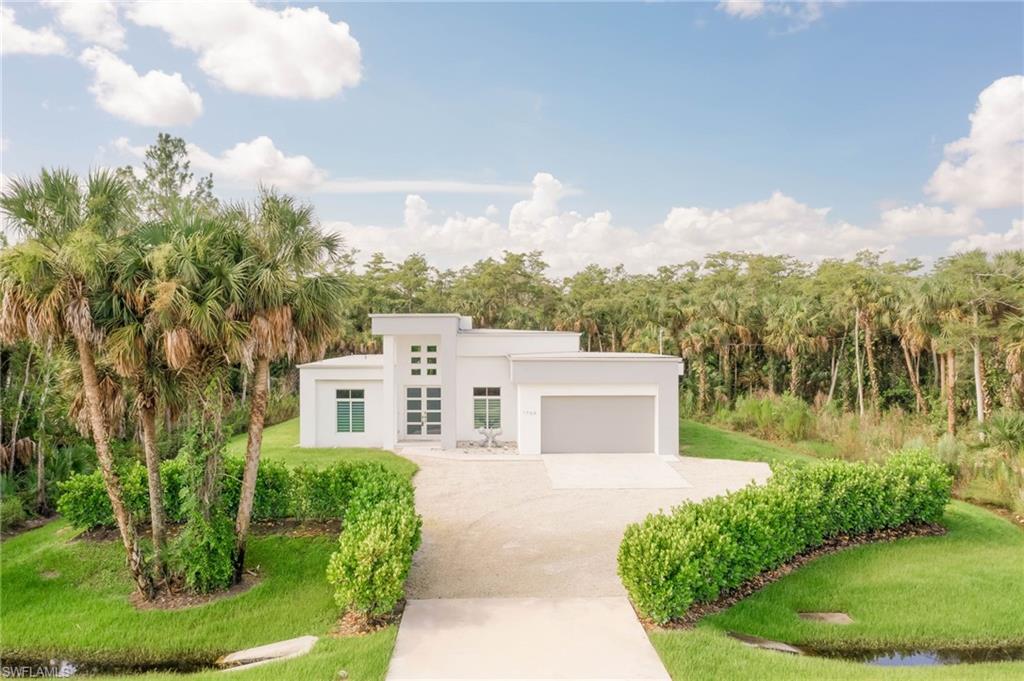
(422, 411)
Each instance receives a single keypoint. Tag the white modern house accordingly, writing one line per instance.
(439, 379)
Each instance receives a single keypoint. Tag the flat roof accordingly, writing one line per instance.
(515, 332)
(583, 356)
(347, 361)
(416, 314)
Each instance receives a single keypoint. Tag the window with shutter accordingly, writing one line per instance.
(351, 411)
(487, 407)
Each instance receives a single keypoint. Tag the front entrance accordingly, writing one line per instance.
(423, 412)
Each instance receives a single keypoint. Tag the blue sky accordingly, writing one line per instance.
(661, 132)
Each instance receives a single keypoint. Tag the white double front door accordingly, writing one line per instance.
(422, 412)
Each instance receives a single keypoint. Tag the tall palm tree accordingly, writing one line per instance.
(794, 330)
(50, 282)
(135, 350)
(292, 306)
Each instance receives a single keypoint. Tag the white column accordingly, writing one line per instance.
(389, 399)
(308, 408)
(449, 399)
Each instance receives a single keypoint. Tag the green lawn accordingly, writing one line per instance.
(281, 442)
(962, 588)
(70, 598)
(709, 442)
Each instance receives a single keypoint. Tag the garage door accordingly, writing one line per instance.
(596, 424)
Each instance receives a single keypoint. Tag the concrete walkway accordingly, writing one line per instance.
(525, 550)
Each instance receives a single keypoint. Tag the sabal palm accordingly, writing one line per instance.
(793, 329)
(51, 281)
(292, 305)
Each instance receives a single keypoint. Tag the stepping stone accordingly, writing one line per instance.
(826, 617)
(522, 639)
(765, 643)
(282, 650)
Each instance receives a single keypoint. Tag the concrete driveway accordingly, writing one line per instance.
(500, 528)
(516, 576)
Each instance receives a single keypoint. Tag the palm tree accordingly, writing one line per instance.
(793, 329)
(292, 306)
(134, 348)
(50, 281)
(200, 275)
(694, 340)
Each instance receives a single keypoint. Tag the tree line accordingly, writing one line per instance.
(866, 333)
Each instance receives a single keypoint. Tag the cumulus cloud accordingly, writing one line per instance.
(260, 161)
(986, 168)
(799, 15)
(992, 242)
(922, 220)
(571, 240)
(293, 52)
(20, 40)
(94, 21)
(155, 99)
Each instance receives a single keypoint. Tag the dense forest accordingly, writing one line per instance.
(143, 317)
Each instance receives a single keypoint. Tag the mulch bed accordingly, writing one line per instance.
(354, 624)
(699, 611)
(30, 524)
(176, 597)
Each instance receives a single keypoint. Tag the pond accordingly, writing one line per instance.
(62, 669)
(892, 657)
(918, 657)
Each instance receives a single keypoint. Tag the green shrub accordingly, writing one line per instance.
(84, 503)
(203, 552)
(273, 498)
(12, 512)
(322, 494)
(670, 561)
(375, 549)
(779, 417)
(83, 498)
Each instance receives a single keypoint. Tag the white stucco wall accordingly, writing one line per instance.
(326, 434)
(318, 411)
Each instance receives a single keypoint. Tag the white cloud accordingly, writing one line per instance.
(744, 9)
(799, 15)
(156, 99)
(294, 52)
(922, 220)
(259, 161)
(94, 21)
(986, 168)
(4, 143)
(992, 242)
(20, 40)
(571, 241)
(250, 163)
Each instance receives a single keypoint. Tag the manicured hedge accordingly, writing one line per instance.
(381, 533)
(281, 492)
(671, 561)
